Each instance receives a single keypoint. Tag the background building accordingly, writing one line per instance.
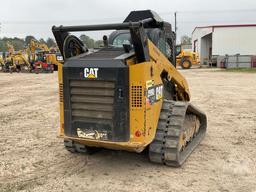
(235, 43)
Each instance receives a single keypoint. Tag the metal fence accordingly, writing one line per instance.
(236, 61)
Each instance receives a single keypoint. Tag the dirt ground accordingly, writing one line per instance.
(32, 158)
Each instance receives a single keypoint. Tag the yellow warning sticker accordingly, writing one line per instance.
(150, 83)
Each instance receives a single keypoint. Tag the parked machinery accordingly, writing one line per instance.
(185, 58)
(38, 57)
(16, 62)
(44, 60)
(1, 63)
(127, 95)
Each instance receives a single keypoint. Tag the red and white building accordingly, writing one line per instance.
(221, 40)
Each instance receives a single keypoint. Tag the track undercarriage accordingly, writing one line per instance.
(181, 127)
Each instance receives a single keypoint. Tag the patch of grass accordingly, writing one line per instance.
(240, 70)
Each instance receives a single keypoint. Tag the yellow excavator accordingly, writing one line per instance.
(16, 61)
(185, 58)
(127, 95)
(1, 63)
(44, 59)
(33, 46)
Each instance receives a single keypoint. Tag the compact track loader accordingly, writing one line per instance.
(128, 95)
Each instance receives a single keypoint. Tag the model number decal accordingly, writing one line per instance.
(159, 92)
(154, 94)
(91, 73)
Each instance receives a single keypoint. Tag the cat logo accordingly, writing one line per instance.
(91, 73)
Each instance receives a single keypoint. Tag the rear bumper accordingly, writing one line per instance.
(126, 146)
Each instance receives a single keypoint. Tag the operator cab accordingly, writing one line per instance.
(178, 49)
(122, 38)
(154, 28)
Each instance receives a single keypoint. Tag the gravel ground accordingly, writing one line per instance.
(32, 158)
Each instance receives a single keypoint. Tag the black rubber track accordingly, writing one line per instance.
(74, 147)
(165, 147)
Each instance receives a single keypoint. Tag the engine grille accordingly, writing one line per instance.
(92, 101)
(136, 94)
(61, 92)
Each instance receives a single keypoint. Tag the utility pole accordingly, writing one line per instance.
(175, 16)
(175, 30)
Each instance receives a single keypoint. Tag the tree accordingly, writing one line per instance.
(18, 43)
(50, 42)
(87, 41)
(186, 40)
(28, 39)
(2, 46)
(41, 40)
(98, 43)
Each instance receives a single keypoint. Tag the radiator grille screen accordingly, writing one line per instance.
(136, 95)
(92, 100)
(61, 92)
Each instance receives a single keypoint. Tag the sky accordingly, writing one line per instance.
(36, 17)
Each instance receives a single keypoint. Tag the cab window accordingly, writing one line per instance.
(164, 47)
(121, 39)
(178, 50)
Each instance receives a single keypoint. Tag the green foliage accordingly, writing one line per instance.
(28, 39)
(2, 45)
(17, 43)
(89, 42)
(50, 42)
(186, 40)
(41, 40)
(98, 43)
(20, 43)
